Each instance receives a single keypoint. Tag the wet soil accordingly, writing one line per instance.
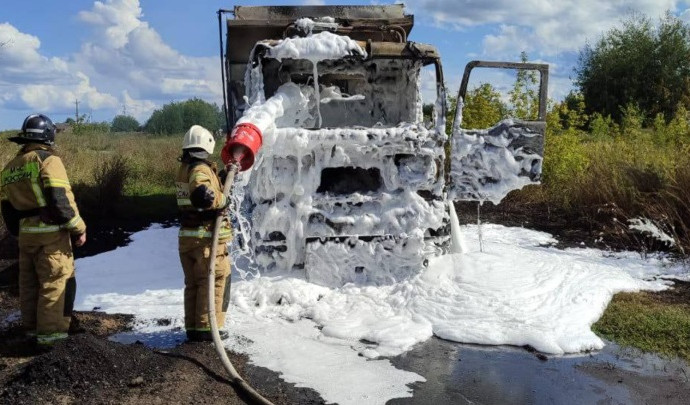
(678, 295)
(606, 229)
(90, 368)
(86, 369)
(472, 374)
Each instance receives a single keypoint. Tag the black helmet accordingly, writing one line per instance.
(36, 128)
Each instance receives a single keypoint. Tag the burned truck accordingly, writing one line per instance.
(352, 185)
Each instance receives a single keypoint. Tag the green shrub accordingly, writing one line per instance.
(600, 126)
(565, 162)
(177, 117)
(124, 123)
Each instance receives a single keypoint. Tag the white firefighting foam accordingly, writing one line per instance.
(518, 292)
(283, 187)
(485, 164)
(284, 181)
(291, 164)
(316, 47)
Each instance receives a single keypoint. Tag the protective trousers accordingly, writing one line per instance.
(195, 256)
(47, 288)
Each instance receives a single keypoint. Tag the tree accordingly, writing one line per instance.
(483, 107)
(571, 112)
(177, 117)
(124, 123)
(524, 97)
(637, 64)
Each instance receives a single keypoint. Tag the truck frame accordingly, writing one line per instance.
(360, 194)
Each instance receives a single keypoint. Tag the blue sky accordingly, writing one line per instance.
(144, 53)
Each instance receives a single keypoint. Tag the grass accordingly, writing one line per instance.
(623, 175)
(130, 175)
(649, 322)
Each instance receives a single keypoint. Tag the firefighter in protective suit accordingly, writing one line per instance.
(199, 197)
(38, 206)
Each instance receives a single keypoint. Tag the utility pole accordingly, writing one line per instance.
(76, 113)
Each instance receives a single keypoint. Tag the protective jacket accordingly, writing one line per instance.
(199, 196)
(38, 206)
(36, 197)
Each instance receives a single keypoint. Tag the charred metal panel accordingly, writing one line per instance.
(294, 12)
(488, 164)
(376, 260)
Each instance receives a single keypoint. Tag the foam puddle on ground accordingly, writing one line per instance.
(519, 291)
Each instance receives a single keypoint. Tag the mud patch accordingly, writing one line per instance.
(643, 389)
(604, 227)
(471, 374)
(101, 324)
(17, 349)
(678, 295)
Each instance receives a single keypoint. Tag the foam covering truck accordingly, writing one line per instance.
(352, 184)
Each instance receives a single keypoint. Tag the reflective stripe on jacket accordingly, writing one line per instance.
(36, 182)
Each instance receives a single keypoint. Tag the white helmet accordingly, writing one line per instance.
(199, 137)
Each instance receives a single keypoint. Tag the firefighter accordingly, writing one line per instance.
(199, 197)
(38, 207)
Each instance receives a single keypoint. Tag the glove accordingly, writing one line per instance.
(202, 197)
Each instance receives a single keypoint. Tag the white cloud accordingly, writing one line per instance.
(129, 54)
(50, 96)
(551, 30)
(139, 109)
(125, 62)
(30, 80)
(548, 27)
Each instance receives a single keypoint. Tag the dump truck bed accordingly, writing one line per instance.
(253, 24)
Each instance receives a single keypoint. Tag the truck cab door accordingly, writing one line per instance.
(486, 164)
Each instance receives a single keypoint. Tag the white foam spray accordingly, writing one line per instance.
(457, 241)
(315, 48)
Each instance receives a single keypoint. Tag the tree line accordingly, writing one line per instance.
(634, 77)
(172, 118)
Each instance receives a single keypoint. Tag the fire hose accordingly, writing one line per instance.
(246, 159)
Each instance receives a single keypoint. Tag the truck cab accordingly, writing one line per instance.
(355, 188)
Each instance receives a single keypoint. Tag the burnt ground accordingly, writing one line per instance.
(678, 295)
(86, 369)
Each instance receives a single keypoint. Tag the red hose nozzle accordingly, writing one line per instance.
(242, 145)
